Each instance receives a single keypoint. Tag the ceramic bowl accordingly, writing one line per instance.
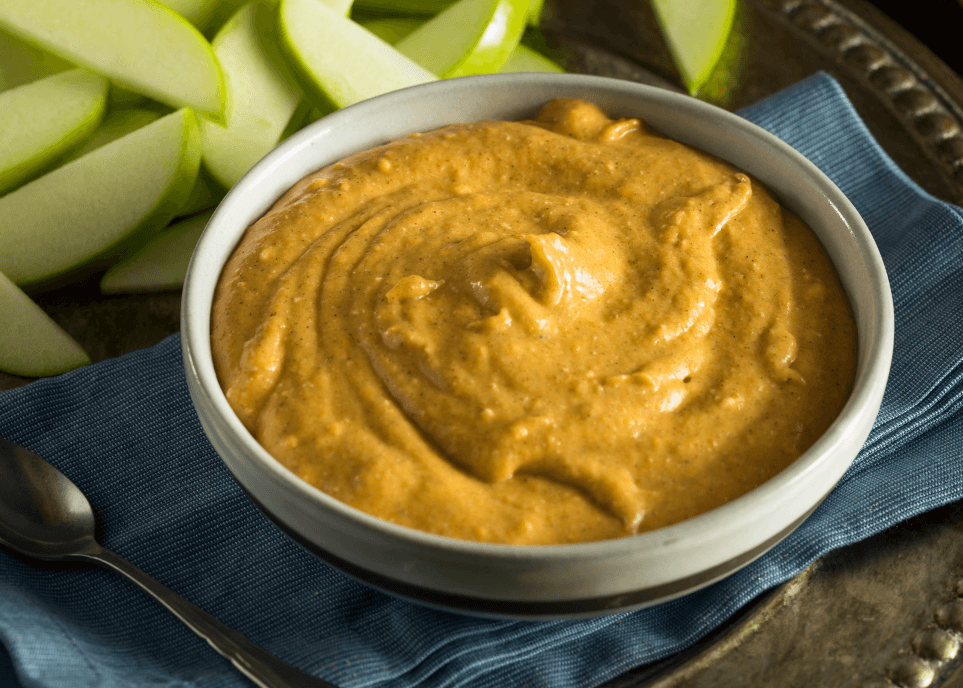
(563, 580)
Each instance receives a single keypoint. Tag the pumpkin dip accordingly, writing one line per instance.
(553, 331)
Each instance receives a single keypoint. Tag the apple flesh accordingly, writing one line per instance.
(336, 61)
(94, 210)
(161, 263)
(31, 343)
(470, 37)
(141, 45)
(261, 99)
(696, 32)
(49, 116)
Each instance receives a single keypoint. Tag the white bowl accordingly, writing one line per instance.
(562, 580)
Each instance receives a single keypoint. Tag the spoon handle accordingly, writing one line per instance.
(260, 666)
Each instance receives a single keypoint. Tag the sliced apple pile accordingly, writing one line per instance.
(90, 211)
(133, 117)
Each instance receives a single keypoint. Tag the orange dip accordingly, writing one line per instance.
(553, 331)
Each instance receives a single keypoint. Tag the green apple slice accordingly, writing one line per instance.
(90, 212)
(206, 193)
(524, 59)
(336, 61)
(116, 124)
(696, 32)
(260, 98)
(31, 343)
(470, 37)
(161, 263)
(140, 44)
(21, 63)
(49, 116)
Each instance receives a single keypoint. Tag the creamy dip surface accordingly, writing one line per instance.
(560, 330)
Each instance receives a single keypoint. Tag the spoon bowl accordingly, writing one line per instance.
(42, 513)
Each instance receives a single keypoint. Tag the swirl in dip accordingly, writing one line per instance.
(553, 331)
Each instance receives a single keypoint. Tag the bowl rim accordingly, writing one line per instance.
(872, 369)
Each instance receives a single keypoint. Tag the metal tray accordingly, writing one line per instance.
(885, 612)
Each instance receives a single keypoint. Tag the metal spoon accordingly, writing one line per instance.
(45, 516)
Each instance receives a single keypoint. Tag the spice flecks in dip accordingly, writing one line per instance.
(553, 331)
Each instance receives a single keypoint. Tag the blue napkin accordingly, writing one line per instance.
(125, 431)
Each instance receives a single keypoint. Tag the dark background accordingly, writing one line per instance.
(938, 24)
